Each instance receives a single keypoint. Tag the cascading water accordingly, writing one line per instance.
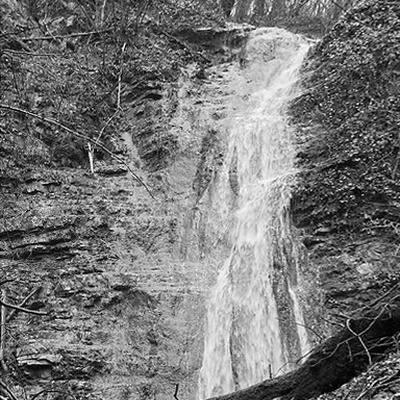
(254, 324)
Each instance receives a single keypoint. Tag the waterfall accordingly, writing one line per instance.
(255, 327)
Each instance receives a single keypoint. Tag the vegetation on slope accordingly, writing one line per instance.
(347, 203)
(80, 62)
(352, 159)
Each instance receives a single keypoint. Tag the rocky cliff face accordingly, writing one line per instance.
(115, 270)
(122, 277)
(98, 254)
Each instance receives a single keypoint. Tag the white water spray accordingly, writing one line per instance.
(245, 338)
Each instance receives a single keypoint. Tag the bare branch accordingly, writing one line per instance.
(3, 313)
(306, 327)
(358, 336)
(106, 124)
(22, 304)
(379, 299)
(25, 310)
(26, 53)
(120, 76)
(52, 37)
(176, 391)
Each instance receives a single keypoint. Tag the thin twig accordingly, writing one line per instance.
(3, 312)
(26, 53)
(91, 157)
(25, 310)
(332, 322)
(105, 125)
(81, 136)
(22, 304)
(120, 76)
(102, 12)
(176, 391)
(379, 299)
(304, 326)
(341, 316)
(374, 320)
(49, 32)
(358, 336)
(64, 36)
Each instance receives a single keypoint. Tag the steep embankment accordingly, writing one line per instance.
(347, 204)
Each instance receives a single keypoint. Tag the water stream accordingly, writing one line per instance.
(255, 327)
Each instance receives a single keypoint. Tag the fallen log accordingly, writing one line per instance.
(336, 361)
